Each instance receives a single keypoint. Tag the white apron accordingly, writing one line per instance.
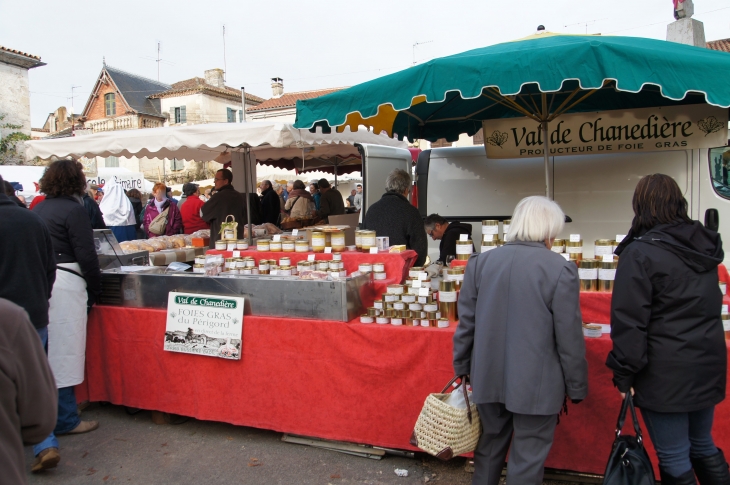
(67, 327)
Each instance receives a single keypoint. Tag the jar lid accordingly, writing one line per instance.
(604, 242)
(490, 222)
(588, 263)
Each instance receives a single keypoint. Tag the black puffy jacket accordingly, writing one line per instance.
(72, 237)
(668, 339)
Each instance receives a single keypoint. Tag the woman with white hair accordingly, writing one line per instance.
(520, 340)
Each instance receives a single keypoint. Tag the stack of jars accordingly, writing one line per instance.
(597, 275)
(492, 237)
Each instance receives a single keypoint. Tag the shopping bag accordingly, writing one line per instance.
(445, 431)
(229, 228)
(628, 463)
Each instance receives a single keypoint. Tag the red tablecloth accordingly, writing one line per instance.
(396, 264)
(333, 380)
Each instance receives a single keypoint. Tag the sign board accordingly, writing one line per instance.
(128, 180)
(210, 325)
(615, 131)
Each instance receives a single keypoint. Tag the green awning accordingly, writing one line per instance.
(541, 76)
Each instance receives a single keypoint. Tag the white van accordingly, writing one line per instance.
(594, 191)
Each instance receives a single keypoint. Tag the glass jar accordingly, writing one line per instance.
(275, 246)
(368, 240)
(263, 245)
(220, 245)
(378, 266)
(505, 227)
(242, 245)
(288, 245)
(337, 241)
(606, 275)
(319, 241)
(574, 250)
(602, 247)
(463, 249)
(558, 246)
(490, 226)
(588, 274)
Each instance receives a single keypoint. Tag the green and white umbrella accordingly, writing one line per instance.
(540, 77)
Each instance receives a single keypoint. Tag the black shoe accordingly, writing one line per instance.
(687, 478)
(712, 470)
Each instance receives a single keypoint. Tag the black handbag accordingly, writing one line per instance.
(628, 463)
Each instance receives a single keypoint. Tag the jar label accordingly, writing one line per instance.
(505, 228)
(557, 249)
(447, 296)
(488, 248)
(368, 241)
(490, 230)
(606, 274)
(463, 249)
(338, 241)
(726, 325)
(456, 277)
(574, 249)
(588, 273)
(603, 250)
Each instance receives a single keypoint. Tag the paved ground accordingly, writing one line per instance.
(131, 449)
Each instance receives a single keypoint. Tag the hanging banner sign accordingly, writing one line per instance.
(210, 325)
(639, 130)
(128, 180)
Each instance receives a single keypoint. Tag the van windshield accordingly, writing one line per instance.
(719, 170)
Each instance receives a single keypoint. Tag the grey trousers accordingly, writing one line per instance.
(531, 437)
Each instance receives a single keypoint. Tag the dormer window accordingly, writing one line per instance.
(110, 104)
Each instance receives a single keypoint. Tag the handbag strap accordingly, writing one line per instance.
(464, 382)
(628, 403)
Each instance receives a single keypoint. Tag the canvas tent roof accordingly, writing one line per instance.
(273, 143)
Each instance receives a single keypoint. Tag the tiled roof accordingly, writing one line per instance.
(289, 100)
(13, 51)
(719, 45)
(137, 90)
(198, 85)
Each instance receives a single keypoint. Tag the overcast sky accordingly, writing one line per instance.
(310, 44)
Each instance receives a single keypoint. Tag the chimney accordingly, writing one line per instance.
(277, 86)
(686, 30)
(214, 77)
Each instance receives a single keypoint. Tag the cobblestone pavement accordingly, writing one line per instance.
(132, 449)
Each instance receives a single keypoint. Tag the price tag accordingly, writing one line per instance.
(236, 254)
(423, 276)
(423, 292)
(277, 238)
(295, 232)
(620, 237)
(310, 257)
(417, 284)
(488, 237)
(574, 237)
(373, 250)
(608, 258)
(724, 310)
(463, 237)
(328, 250)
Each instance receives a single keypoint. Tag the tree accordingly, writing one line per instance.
(8, 143)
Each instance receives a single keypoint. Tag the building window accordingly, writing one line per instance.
(179, 114)
(231, 115)
(176, 164)
(240, 116)
(110, 104)
(111, 162)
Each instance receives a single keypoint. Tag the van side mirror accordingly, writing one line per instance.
(712, 219)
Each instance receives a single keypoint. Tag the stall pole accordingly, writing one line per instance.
(246, 157)
(546, 147)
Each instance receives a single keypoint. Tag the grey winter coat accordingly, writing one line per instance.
(520, 333)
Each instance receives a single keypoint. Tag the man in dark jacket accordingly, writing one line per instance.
(394, 216)
(330, 202)
(270, 206)
(28, 395)
(228, 201)
(440, 229)
(667, 333)
(92, 208)
(27, 245)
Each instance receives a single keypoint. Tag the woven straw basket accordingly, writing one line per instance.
(445, 431)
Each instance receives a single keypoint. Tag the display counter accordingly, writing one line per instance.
(396, 264)
(349, 382)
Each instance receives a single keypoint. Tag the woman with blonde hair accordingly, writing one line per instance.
(520, 339)
(161, 215)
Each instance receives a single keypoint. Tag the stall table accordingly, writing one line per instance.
(333, 380)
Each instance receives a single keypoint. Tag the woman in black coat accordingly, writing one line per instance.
(668, 340)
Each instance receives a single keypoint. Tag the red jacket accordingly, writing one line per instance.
(190, 212)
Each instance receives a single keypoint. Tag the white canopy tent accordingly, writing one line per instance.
(270, 143)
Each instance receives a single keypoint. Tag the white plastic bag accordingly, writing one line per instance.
(456, 398)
